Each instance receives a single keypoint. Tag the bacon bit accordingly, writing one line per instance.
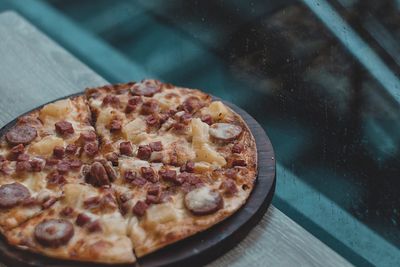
(75, 164)
(23, 166)
(16, 150)
(130, 108)
(91, 149)
(125, 197)
(54, 178)
(67, 211)
(2, 158)
(115, 125)
(156, 146)
(140, 208)
(149, 174)
(88, 136)
(152, 120)
(52, 161)
(135, 100)
(71, 149)
(186, 118)
(63, 167)
(30, 201)
(237, 148)
(82, 219)
(108, 201)
(125, 148)
(178, 126)
(37, 165)
(170, 176)
(139, 181)
(64, 127)
(49, 202)
(144, 152)
(207, 119)
(154, 190)
(190, 181)
(58, 152)
(130, 176)
(91, 202)
(239, 162)
(113, 157)
(191, 104)
(229, 187)
(187, 167)
(23, 157)
(152, 199)
(111, 99)
(149, 107)
(94, 226)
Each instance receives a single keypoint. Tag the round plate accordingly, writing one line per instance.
(202, 247)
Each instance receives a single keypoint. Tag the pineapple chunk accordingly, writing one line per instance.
(161, 213)
(57, 110)
(114, 225)
(201, 167)
(73, 194)
(208, 154)
(135, 130)
(199, 132)
(218, 111)
(105, 116)
(45, 146)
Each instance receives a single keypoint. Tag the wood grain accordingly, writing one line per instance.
(35, 70)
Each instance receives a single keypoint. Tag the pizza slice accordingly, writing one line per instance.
(40, 153)
(85, 225)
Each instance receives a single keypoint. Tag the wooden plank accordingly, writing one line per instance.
(34, 70)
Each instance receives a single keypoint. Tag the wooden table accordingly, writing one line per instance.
(35, 70)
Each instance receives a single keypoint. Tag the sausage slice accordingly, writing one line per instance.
(146, 88)
(225, 131)
(13, 194)
(21, 134)
(54, 232)
(203, 201)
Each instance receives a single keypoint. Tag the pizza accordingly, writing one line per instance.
(121, 171)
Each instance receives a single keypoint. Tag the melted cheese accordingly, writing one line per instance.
(135, 130)
(199, 198)
(45, 146)
(161, 213)
(56, 111)
(218, 111)
(208, 154)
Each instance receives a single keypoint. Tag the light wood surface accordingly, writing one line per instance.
(35, 70)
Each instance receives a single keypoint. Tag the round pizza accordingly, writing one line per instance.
(121, 171)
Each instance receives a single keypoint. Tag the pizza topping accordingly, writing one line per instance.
(91, 202)
(144, 152)
(146, 88)
(71, 149)
(115, 125)
(94, 226)
(231, 173)
(64, 128)
(237, 148)
(54, 232)
(22, 166)
(190, 181)
(187, 167)
(192, 104)
(30, 201)
(58, 152)
(149, 174)
(207, 119)
(15, 151)
(55, 178)
(75, 164)
(21, 134)
(152, 120)
(203, 201)
(156, 146)
(48, 202)
(67, 211)
(140, 208)
(82, 219)
(125, 148)
(229, 187)
(88, 136)
(63, 167)
(37, 164)
(149, 107)
(108, 201)
(238, 162)
(111, 100)
(113, 158)
(97, 175)
(13, 194)
(23, 157)
(225, 131)
(52, 161)
(153, 199)
(91, 149)
(170, 176)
